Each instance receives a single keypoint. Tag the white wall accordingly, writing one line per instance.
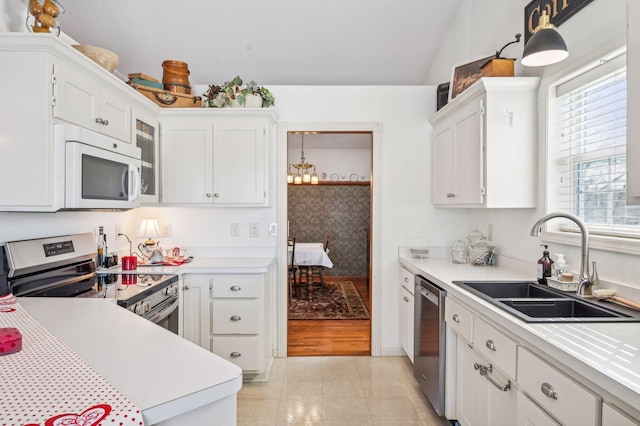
(342, 162)
(600, 24)
(401, 173)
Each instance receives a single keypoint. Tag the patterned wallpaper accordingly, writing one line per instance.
(341, 210)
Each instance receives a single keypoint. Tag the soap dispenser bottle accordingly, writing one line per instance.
(545, 265)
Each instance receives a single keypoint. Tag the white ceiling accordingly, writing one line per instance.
(276, 42)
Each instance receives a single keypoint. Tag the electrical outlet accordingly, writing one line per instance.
(254, 230)
(166, 230)
(118, 232)
(235, 229)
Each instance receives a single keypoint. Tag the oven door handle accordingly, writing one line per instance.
(68, 280)
(157, 317)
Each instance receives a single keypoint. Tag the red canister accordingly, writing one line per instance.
(10, 340)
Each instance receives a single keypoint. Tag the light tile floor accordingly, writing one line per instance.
(337, 391)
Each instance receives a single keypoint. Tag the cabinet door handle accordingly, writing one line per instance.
(484, 371)
(235, 318)
(99, 120)
(456, 318)
(406, 280)
(491, 345)
(406, 299)
(548, 391)
(186, 287)
(216, 195)
(235, 354)
(208, 195)
(235, 288)
(105, 122)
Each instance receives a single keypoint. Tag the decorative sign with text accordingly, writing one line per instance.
(558, 11)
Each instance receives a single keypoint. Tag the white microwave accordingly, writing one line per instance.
(100, 172)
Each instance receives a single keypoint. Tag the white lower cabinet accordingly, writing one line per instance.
(484, 394)
(407, 310)
(241, 323)
(529, 414)
(229, 314)
(195, 309)
(566, 400)
(612, 417)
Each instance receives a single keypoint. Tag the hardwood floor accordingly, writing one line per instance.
(332, 337)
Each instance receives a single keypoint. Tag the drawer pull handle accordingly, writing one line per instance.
(456, 318)
(235, 318)
(235, 354)
(235, 288)
(406, 299)
(406, 280)
(484, 371)
(549, 391)
(491, 345)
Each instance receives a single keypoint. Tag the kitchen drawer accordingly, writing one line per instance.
(529, 414)
(495, 346)
(236, 286)
(613, 417)
(556, 393)
(244, 351)
(233, 316)
(407, 280)
(459, 319)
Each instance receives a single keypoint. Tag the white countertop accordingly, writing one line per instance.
(162, 374)
(210, 265)
(606, 355)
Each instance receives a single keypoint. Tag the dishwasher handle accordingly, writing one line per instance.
(429, 291)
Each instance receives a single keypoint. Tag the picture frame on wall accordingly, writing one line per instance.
(464, 75)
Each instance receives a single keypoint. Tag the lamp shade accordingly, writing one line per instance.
(545, 47)
(149, 228)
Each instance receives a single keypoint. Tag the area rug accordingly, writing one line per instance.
(336, 300)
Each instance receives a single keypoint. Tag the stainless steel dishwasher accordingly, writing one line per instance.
(429, 341)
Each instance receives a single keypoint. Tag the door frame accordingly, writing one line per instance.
(281, 303)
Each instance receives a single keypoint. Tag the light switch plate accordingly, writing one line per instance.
(254, 230)
(235, 229)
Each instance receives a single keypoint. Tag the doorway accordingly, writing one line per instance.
(338, 207)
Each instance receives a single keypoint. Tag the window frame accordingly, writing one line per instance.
(554, 231)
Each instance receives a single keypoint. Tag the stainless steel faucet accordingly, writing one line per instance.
(584, 288)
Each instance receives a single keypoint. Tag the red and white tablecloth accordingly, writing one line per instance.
(47, 384)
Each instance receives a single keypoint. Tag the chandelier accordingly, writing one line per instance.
(303, 170)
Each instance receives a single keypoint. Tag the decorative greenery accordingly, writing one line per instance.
(235, 90)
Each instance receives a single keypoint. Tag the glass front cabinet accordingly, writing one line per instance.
(146, 138)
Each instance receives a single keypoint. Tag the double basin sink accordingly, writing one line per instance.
(532, 302)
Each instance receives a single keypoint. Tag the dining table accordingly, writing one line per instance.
(309, 255)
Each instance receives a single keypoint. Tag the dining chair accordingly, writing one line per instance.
(318, 270)
(293, 270)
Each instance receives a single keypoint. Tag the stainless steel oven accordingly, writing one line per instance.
(64, 266)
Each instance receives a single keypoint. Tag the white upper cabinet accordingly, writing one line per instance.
(216, 157)
(484, 146)
(79, 98)
(47, 83)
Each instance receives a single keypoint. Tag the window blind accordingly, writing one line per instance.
(592, 151)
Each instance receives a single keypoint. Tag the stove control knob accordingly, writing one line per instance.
(138, 309)
(147, 307)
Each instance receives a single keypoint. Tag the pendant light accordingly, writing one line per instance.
(303, 174)
(546, 46)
